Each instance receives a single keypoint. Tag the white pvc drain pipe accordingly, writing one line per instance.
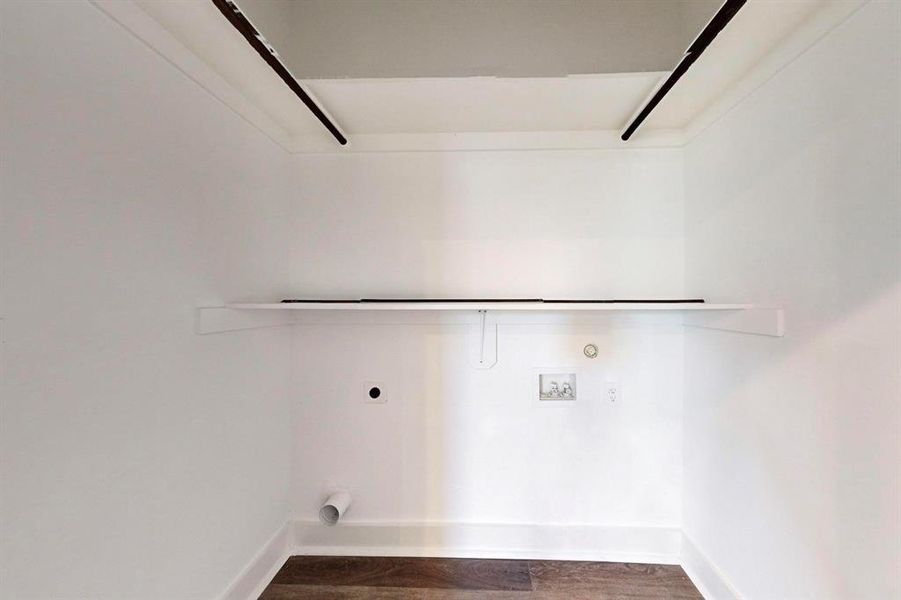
(334, 508)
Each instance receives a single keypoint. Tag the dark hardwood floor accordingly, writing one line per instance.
(379, 578)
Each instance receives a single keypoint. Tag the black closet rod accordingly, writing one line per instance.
(716, 25)
(234, 15)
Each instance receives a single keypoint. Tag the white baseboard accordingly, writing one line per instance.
(653, 545)
(709, 580)
(660, 545)
(254, 578)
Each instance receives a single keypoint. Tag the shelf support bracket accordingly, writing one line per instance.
(220, 319)
(756, 321)
(484, 354)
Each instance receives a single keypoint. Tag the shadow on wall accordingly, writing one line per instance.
(792, 444)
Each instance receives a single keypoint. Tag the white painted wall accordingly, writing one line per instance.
(792, 457)
(129, 447)
(553, 224)
(137, 459)
(458, 445)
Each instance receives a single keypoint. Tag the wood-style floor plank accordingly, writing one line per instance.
(383, 578)
(351, 592)
(628, 579)
(436, 573)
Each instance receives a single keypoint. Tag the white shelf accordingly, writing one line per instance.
(738, 318)
(492, 306)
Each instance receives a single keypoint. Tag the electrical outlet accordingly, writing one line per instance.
(612, 392)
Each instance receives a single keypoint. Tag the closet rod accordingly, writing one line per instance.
(716, 24)
(233, 13)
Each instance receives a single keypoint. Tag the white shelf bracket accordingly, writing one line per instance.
(484, 342)
(755, 321)
(220, 319)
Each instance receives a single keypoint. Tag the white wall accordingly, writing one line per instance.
(553, 224)
(792, 457)
(129, 447)
(137, 459)
(458, 445)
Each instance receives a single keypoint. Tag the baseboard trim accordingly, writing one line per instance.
(254, 578)
(651, 545)
(706, 576)
(657, 545)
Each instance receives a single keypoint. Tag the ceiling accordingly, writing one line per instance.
(356, 59)
(488, 104)
(366, 39)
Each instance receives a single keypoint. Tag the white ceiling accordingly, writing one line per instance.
(366, 39)
(416, 113)
(489, 104)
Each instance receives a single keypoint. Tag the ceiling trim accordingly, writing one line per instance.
(492, 141)
(256, 40)
(146, 29)
(719, 21)
(132, 17)
(824, 20)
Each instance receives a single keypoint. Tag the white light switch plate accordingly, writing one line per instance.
(613, 392)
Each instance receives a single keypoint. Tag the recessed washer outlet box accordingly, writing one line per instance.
(557, 385)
